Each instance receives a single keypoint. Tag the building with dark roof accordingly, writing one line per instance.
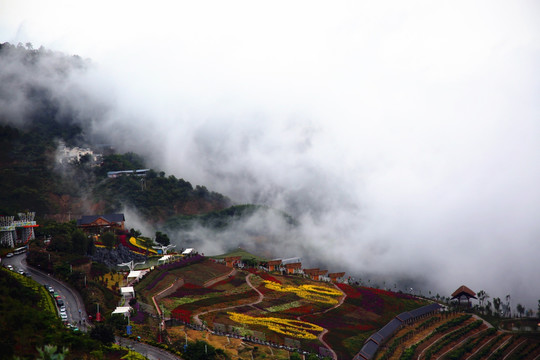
(99, 224)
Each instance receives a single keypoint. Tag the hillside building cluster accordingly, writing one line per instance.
(67, 155)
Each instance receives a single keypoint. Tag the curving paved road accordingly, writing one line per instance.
(72, 299)
(74, 302)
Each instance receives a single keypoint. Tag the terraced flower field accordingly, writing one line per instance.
(318, 317)
(458, 336)
(288, 310)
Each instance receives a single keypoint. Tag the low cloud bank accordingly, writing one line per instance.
(402, 137)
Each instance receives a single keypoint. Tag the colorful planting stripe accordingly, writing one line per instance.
(133, 242)
(294, 328)
(315, 293)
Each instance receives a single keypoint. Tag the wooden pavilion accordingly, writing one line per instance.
(464, 295)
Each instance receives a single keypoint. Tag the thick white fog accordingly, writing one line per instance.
(404, 136)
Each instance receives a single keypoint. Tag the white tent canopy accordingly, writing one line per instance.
(127, 290)
(165, 257)
(134, 274)
(124, 310)
(187, 251)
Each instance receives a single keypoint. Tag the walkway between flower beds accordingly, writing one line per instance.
(261, 296)
(321, 335)
(198, 321)
(208, 283)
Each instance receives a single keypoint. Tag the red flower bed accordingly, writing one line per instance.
(350, 291)
(191, 286)
(300, 310)
(264, 290)
(364, 327)
(233, 280)
(267, 277)
(181, 292)
(264, 275)
(181, 314)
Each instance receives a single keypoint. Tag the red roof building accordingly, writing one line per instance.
(232, 261)
(273, 265)
(293, 267)
(335, 276)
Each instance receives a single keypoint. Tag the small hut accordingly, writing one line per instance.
(232, 261)
(293, 267)
(311, 272)
(464, 295)
(315, 274)
(335, 276)
(273, 265)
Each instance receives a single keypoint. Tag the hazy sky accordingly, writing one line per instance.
(404, 134)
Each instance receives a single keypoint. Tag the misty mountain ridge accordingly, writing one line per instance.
(48, 98)
(34, 120)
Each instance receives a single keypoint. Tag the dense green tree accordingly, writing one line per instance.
(117, 321)
(109, 240)
(79, 242)
(103, 333)
(63, 270)
(60, 243)
(135, 233)
(202, 350)
(49, 352)
(162, 238)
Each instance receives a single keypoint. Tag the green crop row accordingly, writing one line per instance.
(470, 345)
(425, 324)
(393, 346)
(455, 335)
(486, 349)
(499, 353)
(521, 351)
(409, 352)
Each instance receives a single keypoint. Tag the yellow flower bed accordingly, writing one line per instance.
(316, 293)
(134, 242)
(289, 327)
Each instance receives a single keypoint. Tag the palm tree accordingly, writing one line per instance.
(48, 352)
(482, 296)
(520, 309)
(497, 305)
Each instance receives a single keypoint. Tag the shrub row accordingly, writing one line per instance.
(455, 335)
(486, 349)
(409, 352)
(499, 353)
(393, 346)
(470, 345)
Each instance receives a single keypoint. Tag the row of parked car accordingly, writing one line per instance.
(59, 303)
(20, 271)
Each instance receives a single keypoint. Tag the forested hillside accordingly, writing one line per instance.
(33, 126)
